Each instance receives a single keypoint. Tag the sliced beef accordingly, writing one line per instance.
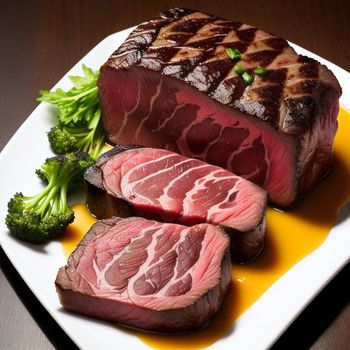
(149, 275)
(171, 85)
(163, 185)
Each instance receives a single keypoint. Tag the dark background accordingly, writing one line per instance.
(42, 40)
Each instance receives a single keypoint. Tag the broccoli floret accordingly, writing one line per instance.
(38, 218)
(90, 139)
(61, 141)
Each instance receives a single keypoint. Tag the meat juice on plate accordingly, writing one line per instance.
(290, 237)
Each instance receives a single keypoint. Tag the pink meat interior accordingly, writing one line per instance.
(146, 262)
(174, 188)
(161, 112)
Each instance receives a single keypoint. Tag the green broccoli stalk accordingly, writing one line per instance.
(38, 218)
(79, 116)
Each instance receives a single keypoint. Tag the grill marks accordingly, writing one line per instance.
(193, 42)
(191, 46)
(207, 71)
(193, 49)
(133, 48)
(302, 90)
(169, 52)
(264, 98)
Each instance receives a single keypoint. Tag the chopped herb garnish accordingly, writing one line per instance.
(247, 77)
(239, 69)
(234, 54)
(260, 71)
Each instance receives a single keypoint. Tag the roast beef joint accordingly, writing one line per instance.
(172, 85)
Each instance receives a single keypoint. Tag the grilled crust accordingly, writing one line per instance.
(190, 46)
(99, 202)
(246, 246)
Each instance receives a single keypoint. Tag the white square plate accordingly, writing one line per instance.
(38, 266)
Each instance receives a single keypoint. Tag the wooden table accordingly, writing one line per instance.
(41, 40)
